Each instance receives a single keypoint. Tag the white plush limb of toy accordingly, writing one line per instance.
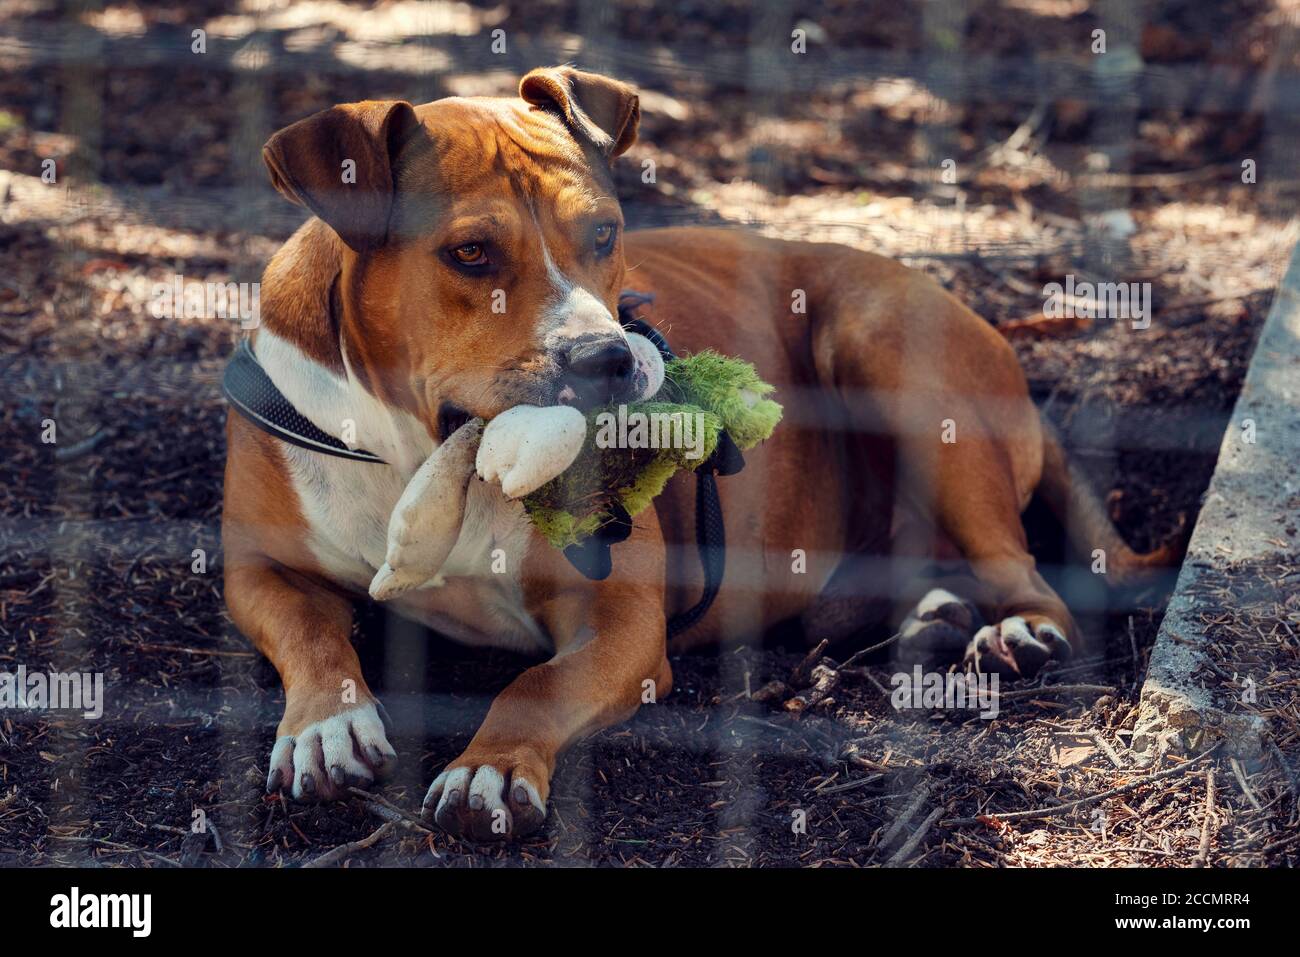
(525, 447)
(426, 521)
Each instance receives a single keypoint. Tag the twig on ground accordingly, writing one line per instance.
(69, 453)
(161, 479)
(159, 857)
(343, 851)
(866, 675)
(801, 676)
(1268, 849)
(774, 691)
(1203, 855)
(216, 836)
(1092, 799)
(141, 646)
(383, 808)
(1058, 689)
(76, 838)
(1133, 648)
(1240, 772)
(917, 836)
(824, 680)
(847, 785)
(905, 815)
(857, 656)
(1106, 749)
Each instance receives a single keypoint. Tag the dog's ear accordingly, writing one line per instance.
(603, 111)
(339, 164)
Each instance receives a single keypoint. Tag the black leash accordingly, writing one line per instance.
(710, 530)
(251, 392)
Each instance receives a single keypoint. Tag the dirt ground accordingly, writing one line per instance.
(98, 534)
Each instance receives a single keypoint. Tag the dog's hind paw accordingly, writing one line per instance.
(1017, 646)
(938, 630)
(325, 758)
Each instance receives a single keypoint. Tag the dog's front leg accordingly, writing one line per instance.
(332, 733)
(610, 658)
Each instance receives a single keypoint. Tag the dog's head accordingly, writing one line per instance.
(484, 242)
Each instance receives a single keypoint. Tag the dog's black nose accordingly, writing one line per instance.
(600, 371)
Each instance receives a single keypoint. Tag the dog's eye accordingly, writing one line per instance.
(470, 254)
(604, 238)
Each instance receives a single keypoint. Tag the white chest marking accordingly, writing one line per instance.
(347, 505)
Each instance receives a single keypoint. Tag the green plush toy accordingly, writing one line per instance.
(573, 470)
(701, 395)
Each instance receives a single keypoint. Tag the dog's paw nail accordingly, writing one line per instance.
(1055, 641)
(273, 780)
(308, 783)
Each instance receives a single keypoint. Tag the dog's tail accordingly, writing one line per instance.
(1087, 525)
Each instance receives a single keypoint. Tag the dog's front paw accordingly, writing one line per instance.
(1017, 646)
(324, 758)
(492, 799)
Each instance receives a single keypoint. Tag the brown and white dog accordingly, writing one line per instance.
(377, 316)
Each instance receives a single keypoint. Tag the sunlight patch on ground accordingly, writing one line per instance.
(387, 21)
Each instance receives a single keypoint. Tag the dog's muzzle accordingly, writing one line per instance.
(596, 372)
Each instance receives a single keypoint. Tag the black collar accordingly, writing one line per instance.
(252, 393)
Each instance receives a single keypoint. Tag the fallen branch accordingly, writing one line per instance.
(165, 649)
(1203, 855)
(900, 822)
(1133, 649)
(1106, 749)
(1240, 772)
(824, 680)
(847, 785)
(917, 836)
(216, 836)
(1093, 799)
(386, 810)
(801, 676)
(1058, 689)
(774, 691)
(864, 674)
(857, 656)
(69, 453)
(343, 851)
